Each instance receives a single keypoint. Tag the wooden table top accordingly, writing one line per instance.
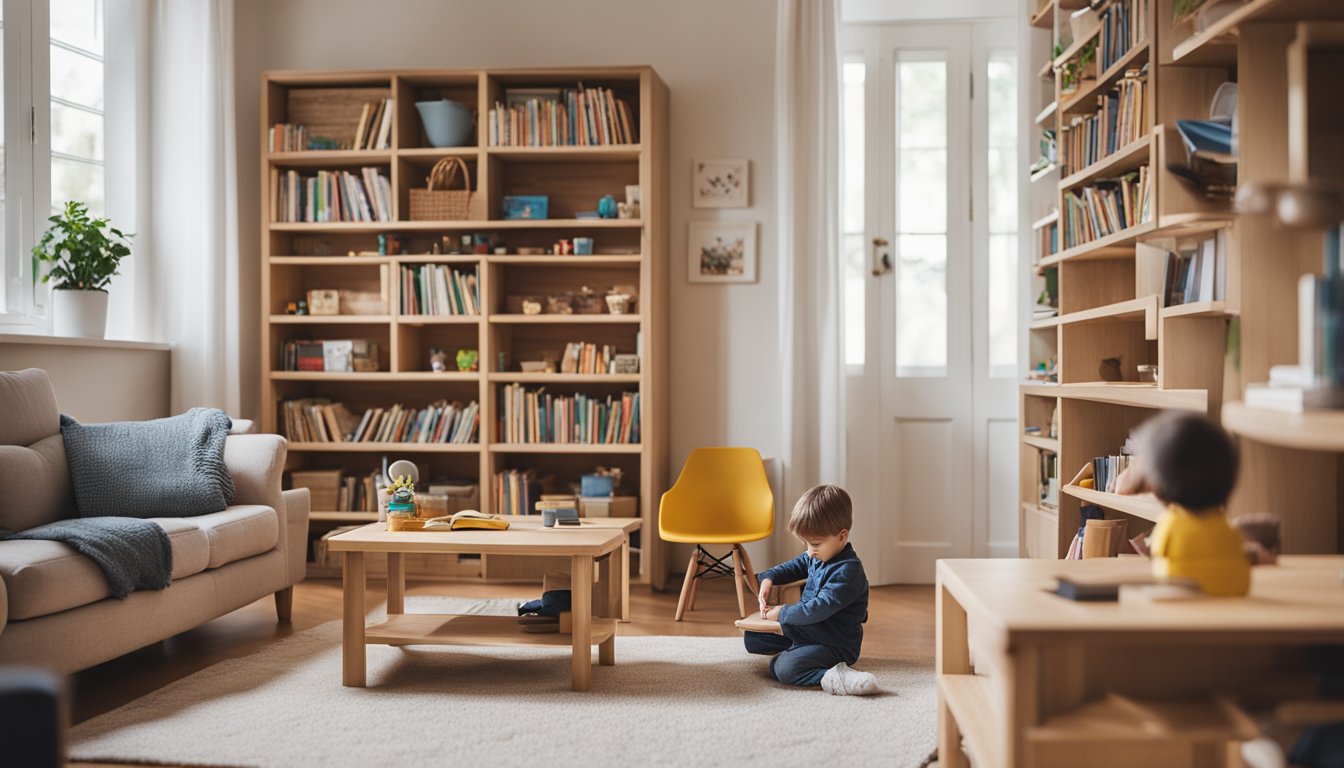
(522, 538)
(1302, 595)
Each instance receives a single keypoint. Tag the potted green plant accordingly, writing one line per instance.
(83, 253)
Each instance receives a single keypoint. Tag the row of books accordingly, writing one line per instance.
(1047, 479)
(331, 355)
(1124, 24)
(335, 490)
(1107, 207)
(1105, 470)
(436, 289)
(582, 357)
(516, 491)
(548, 117)
(1196, 273)
(539, 417)
(287, 137)
(1048, 238)
(331, 196)
(375, 125)
(1120, 119)
(318, 420)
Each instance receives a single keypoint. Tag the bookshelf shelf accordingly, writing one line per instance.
(1046, 220)
(1043, 443)
(1048, 114)
(1130, 394)
(1307, 431)
(1198, 309)
(1144, 506)
(1116, 245)
(1074, 48)
(1217, 45)
(1045, 324)
(972, 701)
(1127, 158)
(300, 256)
(333, 158)
(1085, 99)
(1142, 309)
(1191, 223)
(1044, 172)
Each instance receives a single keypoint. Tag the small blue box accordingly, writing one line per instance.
(526, 206)
(595, 485)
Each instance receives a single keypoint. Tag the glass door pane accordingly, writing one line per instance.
(921, 214)
(1001, 102)
(851, 207)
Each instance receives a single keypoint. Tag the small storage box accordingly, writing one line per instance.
(526, 206)
(324, 486)
(608, 506)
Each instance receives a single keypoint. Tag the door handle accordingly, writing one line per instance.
(881, 257)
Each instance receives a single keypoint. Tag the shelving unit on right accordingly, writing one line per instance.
(1108, 288)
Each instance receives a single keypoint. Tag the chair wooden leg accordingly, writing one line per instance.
(284, 604)
(737, 580)
(750, 572)
(695, 591)
(686, 585)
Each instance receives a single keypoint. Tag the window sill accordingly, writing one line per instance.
(66, 341)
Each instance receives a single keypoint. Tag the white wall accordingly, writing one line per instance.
(96, 380)
(717, 59)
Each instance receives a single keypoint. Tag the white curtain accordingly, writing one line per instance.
(192, 211)
(807, 156)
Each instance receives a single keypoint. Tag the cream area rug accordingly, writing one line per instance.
(668, 700)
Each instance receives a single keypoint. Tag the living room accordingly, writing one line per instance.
(386, 381)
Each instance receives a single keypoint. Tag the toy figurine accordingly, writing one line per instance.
(403, 496)
(467, 359)
(303, 308)
(1190, 464)
(438, 360)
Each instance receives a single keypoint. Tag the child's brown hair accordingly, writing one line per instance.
(1188, 460)
(822, 511)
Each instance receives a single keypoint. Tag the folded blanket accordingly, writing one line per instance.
(134, 554)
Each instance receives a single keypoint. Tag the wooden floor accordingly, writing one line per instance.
(900, 622)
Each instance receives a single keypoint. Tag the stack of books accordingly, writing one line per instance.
(1120, 119)
(331, 355)
(1285, 391)
(1197, 273)
(516, 491)
(330, 196)
(435, 289)
(582, 357)
(538, 417)
(548, 117)
(1105, 470)
(375, 125)
(1111, 205)
(1124, 24)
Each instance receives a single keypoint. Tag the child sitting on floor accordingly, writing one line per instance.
(823, 631)
(1190, 464)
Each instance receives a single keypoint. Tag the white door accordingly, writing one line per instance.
(929, 216)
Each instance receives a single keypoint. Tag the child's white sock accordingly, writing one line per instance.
(840, 680)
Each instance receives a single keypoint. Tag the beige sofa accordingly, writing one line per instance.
(55, 607)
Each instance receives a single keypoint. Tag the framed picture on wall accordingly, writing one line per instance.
(720, 183)
(721, 252)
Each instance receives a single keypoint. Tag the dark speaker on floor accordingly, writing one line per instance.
(32, 718)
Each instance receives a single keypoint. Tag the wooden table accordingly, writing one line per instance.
(1031, 679)
(583, 545)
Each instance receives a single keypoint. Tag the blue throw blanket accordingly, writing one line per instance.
(134, 554)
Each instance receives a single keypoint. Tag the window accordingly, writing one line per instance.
(1002, 121)
(52, 150)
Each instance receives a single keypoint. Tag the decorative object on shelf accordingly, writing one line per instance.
(531, 306)
(529, 250)
(537, 366)
(586, 215)
(606, 207)
(1148, 373)
(389, 245)
(437, 202)
(467, 360)
(587, 302)
(720, 183)
(402, 476)
(292, 308)
(526, 206)
(564, 247)
(324, 301)
(618, 303)
(625, 363)
(1084, 23)
(447, 123)
(721, 252)
(1110, 370)
(83, 259)
(438, 360)
(303, 308)
(560, 304)
(583, 246)
(1079, 68)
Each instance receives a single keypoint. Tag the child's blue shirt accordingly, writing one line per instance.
(834, 604)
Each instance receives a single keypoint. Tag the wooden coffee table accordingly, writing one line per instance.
(582, 545)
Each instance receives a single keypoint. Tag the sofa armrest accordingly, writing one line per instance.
(4, 605)
(256, 464)
(297, 504)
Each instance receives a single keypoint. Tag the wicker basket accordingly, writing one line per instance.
(437, 202)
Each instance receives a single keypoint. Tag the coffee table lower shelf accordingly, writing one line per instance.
(448, 629)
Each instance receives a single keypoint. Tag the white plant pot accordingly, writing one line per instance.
(79, 313)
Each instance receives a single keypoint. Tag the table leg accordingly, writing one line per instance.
(625, 579)
(352, 622)
(396, 583)
(581, 606)
(603, 604)
(953, 658)
(615, 605)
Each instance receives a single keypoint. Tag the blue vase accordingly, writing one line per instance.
(606, 207)
(447, 123)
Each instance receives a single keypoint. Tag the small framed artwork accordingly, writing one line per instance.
(721, 252)
(720, 183)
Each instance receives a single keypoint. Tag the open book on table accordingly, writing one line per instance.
(467, 519)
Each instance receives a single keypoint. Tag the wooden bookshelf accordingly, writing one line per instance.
(1106, 287)
(297, 256)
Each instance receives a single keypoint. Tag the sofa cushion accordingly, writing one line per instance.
(34, 484)
(237, 532)
(46, 577)
(27, 407)
(160, 468)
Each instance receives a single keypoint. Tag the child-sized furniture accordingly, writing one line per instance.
(721, 497)
(1063, 683)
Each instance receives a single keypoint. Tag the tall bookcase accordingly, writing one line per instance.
(302, 256)
(1109, 289)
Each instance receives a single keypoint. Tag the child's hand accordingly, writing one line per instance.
(765, 592)
(772, 614)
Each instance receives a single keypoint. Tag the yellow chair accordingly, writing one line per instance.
(721, 497)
